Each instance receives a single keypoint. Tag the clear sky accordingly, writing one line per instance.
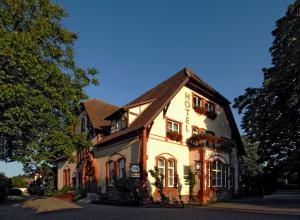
(135, 44)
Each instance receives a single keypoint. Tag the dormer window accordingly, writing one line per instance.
(119, 124)
(83, 124)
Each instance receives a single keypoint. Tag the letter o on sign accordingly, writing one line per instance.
(187, 104)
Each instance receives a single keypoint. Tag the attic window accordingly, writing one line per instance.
(83, 124)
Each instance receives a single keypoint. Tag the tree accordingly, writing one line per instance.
(19, 182)
(41, 85)
(271, 113)
(251, 170)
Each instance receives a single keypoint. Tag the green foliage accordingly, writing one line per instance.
(191, 180)
(271, 113)
(158, 182)
(19, 182)
(40, 83)
(250, 170)
(129, 189)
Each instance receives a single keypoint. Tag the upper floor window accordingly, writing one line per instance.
(173, 126)
(118, 125)
(174, 131)
(83, 124)
(210, 107)
(197, 101)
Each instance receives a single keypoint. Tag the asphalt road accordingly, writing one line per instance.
(279, 207)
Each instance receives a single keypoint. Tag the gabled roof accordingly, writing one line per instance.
(97, 110)
(161, 95)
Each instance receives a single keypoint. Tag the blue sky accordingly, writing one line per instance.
(136, 44)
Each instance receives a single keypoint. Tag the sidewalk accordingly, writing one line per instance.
(48, 204)
(273, 204)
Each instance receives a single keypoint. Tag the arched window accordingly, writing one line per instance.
(171, 166)
(111, 170)
(161, 167)
(217, 168)
(83, 124)
(121, 172)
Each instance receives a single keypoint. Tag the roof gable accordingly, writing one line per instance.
(97, 110)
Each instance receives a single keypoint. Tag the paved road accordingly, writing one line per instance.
(94, 211)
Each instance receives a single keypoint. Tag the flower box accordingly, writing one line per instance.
(200, 110)
(174, 136)
(211, 115)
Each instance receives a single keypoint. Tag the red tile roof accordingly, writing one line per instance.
(97, 110)
(160, 96)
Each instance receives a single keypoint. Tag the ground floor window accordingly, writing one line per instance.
(217, 168)
(217, 174)
(111, 172)
(171, 173)
(167, 167)
(121, 165)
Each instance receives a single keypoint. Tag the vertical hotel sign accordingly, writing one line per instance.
(187, 104)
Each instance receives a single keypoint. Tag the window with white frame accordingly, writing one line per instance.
(217, 167)
(173, 127)
(171, 168)
(161, 167)
(208, 173)
(210, 107)
(197, 101)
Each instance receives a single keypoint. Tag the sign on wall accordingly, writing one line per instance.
(135, 170)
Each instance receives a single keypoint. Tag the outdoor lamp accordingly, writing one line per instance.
(197, 166)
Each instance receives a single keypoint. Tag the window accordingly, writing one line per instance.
(161, 167)
(171, 173)
(217, 167)
(121, 168)
(83, 124)
(195, 130)
(111, 167)
(209, 107)
(197, 101)
(231, 177)
(173, 127)
(208, 173)
(225, 176)
(186, 172)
